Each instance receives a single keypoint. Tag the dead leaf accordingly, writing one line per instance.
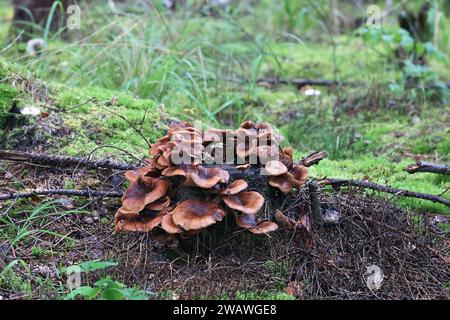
(306, 222)
(284, 221)
(295, 288)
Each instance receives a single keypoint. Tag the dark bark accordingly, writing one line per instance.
(313, 158)
(422, 166)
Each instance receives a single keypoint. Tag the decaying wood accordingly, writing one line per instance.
(62, 192)
(422, 166)
(63, 161)
(313, 158)
(315, 204)
(399, 192)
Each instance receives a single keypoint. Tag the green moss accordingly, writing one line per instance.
(4, 69)
(8, 94)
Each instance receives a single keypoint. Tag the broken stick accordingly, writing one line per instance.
(63, 161)
(422, 166)
(62, 192)
(400, 192)
(313, 158)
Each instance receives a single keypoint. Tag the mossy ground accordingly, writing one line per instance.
(198, 67)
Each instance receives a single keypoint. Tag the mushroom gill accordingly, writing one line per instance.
(208, 177)
(133, 222)
(143, 191)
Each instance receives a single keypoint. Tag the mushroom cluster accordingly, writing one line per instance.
(191, 158)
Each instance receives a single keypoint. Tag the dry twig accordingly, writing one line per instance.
(62, 192)
(422, 166)
(63, 161)
(398, 192)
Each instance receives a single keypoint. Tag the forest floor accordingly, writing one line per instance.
(95, 89)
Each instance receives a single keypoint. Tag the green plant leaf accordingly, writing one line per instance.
(113, 294)
(86, 292)
(108, 283)
(135, 294)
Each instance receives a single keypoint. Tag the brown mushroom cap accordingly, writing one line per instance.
(184, 153)
(286, 157)
(155, 148)
(275, 168)
(142, 192)
(267, 153)
(217, 135)
(246, 221)
(169, 226)
(208, 177)
(289, 151)
(299, 174)
(249, 202)
(162, 161)
(178, 126)
(149, 171)
(235, 187)
(133, 222)
(186, 136)
(282, 182)
(196, 214)
(159, 204)
(181, 170)
(246, 148)
(250, 128)
(264, 227)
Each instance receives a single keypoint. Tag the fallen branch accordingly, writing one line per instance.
(63, 161)
(422, 166)
(299, 82)
(313, 158)
(303, 82)
(336, 183)
(62, 192)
